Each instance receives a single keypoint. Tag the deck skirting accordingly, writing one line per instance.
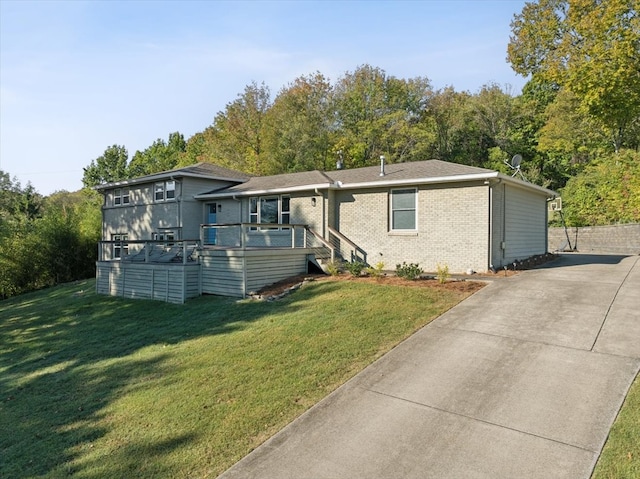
(224, 272)
(238, 272)
(173, 283)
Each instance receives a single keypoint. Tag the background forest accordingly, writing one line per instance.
(576, 123)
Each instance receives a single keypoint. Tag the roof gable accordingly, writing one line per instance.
(198, 170)
(286, 181)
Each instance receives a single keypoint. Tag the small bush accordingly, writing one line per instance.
(408, 271)
(355, 268)
(334, 268)
(376, 271)
(442, 273)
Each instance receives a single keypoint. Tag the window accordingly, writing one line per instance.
(170, 190)
(403, 209)
(121, 248)
(285, 211)
(121, 196)
(159, 191)
(164, 190)
(168, 236)
(269, 210)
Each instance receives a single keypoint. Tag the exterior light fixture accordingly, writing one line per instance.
(313, 201)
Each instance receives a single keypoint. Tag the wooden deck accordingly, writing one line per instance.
(222, 271)
(237, 263)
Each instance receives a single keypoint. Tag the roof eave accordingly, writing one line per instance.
(419, 181)
(526, 184)
(164, 176)
(262, 192)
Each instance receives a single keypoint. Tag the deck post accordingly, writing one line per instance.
(243, 237)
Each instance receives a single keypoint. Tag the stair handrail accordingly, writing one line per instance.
(356, 249)
(324, 242)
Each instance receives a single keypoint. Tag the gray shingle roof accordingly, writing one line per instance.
(302, 179)
(405, 171)
(402, 172)
(208, 169)
(202, 170)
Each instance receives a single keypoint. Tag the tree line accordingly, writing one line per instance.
(45, 240)
(576, 123)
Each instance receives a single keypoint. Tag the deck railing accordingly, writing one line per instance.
(149, 251)
(260, 235)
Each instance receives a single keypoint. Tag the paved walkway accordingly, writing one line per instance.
(522, 380)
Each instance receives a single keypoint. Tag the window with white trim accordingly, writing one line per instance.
(403, 210)
(121, 196)
(164, 190)
(269, 210)
(120, 248)
(170, 190)
(168, 236)
(159, 191)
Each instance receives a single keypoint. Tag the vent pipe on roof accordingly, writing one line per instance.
(381, 165)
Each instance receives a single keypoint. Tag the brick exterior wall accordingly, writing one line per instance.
(614, 239)
(452, 227)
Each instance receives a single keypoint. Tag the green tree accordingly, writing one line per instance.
(297, 127)
(54, 245)
(606, 192)
(17, 204)
(378, 115)
(235, 139)
(160, 156)
(111, 166)
(588, 47)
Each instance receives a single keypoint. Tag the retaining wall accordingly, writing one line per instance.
(614, 239)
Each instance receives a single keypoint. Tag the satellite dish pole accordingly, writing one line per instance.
(515, 165)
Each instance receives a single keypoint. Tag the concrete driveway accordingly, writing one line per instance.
(521, 380)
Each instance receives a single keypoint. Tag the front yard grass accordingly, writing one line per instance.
(100, 387)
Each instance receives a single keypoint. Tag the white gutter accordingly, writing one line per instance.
(338, 185)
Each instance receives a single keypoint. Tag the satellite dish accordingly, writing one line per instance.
(515, 165)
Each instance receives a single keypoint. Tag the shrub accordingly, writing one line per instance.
(442, 273)
(376, 271)
(333, 268)
(408, 271)
(355, 268)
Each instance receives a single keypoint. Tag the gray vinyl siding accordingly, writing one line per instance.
(525, 224)
(193, 211)
(144, 216)
(497, 226)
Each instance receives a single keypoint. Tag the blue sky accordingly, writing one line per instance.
(77, 77)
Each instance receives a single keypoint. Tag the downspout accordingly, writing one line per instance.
(179, 200)
(324, 213)
(490, 225)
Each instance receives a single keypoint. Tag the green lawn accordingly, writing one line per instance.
(99, 387)
(620, 458)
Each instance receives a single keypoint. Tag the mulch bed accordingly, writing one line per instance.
(465, 283)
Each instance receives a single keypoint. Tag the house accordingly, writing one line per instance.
(251, 231)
